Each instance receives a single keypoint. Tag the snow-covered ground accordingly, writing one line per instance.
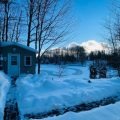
(43, 93)
(4, 87)
(109, 112)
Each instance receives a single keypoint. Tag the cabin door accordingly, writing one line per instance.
(13, 64)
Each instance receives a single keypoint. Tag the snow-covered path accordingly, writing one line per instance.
(11, 111)
(4, 87)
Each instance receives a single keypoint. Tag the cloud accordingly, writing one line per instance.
(91, 45)
(73, 44)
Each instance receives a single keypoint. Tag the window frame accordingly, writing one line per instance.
(1, 62)
(26, 60)
(1, 65)
(14, 62)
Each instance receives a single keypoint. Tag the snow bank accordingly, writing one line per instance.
(4, 87)
(47, 91)
(110, 112)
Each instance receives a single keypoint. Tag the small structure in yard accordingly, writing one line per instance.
(93, 72)
(16, 59)
(102, 72)
(98, 71)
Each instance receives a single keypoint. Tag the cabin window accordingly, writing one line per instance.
(1, 62)
(13, 60)
(28, 61)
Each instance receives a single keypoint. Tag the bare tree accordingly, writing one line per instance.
(51, 27)
(9, 11)
(113, 31)
(61, 69)
(30, 12)
(112, 26)
(18, 27)
(46, 24)
(6, 6)
(0, 24)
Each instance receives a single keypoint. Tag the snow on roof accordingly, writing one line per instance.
(4, 44)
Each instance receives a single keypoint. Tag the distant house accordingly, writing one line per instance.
(16, 59)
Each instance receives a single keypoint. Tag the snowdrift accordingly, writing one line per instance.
(4, 87)
(43, 93)
(110, 112)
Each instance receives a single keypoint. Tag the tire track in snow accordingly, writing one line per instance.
(77, 108)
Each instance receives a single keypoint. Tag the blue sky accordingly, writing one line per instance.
(88, 17)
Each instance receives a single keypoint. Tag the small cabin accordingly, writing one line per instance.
(16, 59)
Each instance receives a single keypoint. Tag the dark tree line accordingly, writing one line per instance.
(66, 55)
(97, 55)
(114, 61)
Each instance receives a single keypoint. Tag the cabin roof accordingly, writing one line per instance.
(4, 44)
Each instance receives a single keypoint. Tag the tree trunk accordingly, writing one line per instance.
(29, 28)
(36, 38)
(6, 29)
(30, 22)
(39, 64)
(6, 25)
(3, 31)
